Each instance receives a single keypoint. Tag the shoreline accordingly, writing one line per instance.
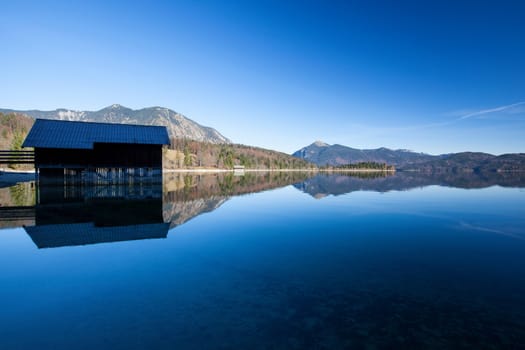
(237, 171)
(7, 170)
(358, 170)
(207, 170)
(212, 170)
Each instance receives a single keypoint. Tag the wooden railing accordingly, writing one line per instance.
(17, 157)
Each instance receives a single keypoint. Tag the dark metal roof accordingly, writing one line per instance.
(47, 133)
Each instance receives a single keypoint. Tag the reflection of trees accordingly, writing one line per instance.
(189, 195)
(22, 194)
(365, 174)
(186, 186)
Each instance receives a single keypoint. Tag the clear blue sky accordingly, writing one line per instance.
(434, 77)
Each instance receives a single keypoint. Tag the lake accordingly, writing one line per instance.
(265, 261)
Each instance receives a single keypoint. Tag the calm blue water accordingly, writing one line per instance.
(430, 267)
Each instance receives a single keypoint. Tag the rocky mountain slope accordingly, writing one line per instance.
(177, 124)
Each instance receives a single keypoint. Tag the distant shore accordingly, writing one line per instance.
(358, 170)
(11, 172)
(217, 170)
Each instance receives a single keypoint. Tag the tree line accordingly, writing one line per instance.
(364, 166)
(185, 153)
(13, 130)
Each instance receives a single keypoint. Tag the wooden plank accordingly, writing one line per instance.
(17, 157)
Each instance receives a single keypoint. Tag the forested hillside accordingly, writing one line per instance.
(184, 153)
(13, 130)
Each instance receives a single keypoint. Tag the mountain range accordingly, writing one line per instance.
(14, 124)
(178, 125)
(323, 154)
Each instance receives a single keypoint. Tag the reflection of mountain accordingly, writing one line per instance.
(178, 213)
(73, 215)
(189, 195)
(322, 185)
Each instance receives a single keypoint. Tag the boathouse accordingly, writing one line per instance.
(79, 146)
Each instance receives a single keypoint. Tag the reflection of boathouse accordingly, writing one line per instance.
(97, 214)
(97, 221)
(74, 148)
